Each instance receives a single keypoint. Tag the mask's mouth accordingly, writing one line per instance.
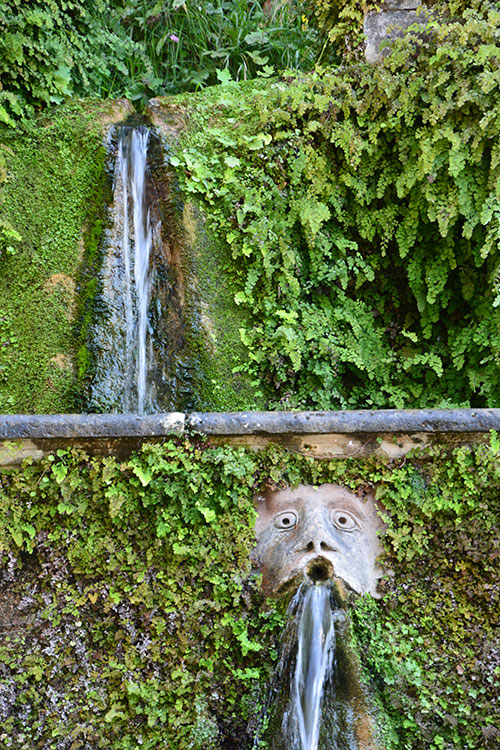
(320, 569)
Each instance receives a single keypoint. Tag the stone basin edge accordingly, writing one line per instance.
(17, 426)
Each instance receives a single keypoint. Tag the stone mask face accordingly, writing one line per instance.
(324, 531)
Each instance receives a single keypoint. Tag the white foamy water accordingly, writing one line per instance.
(316, 640)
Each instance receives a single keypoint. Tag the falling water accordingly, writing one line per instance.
(311, 706)
(314, 661)
(143, 234)
(124, 338)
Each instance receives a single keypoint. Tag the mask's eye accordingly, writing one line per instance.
(286, 520)
(344, 520)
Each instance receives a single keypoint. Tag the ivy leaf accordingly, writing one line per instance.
(313, 214)
(232, 161)
(256, 142)
(143, 473)
(256, 37)
(208, 514)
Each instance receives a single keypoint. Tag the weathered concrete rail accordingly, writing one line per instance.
(388, 432)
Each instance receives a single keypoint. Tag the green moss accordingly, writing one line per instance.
(220, 373)
(89, 288)
(131, 599)
(54, 185)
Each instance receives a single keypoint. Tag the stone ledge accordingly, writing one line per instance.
(18, 426)
(389, 432)
(89, 426)
(362, 421)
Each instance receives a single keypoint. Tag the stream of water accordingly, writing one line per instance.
(124, 339)
(311, 704)
(316, 644)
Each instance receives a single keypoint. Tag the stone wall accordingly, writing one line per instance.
(390, 22)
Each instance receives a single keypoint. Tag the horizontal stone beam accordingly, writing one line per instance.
(388, 432)
(14, 426)
(363, 421)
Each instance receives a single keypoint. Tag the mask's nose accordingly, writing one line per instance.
(314, 536)
(318, 546)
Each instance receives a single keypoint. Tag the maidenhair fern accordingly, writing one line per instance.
(364, 226)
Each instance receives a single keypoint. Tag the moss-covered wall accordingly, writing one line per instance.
(337, 232)
(216, 354)
(54, 196)
(130, 617)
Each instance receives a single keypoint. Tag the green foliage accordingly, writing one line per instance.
(189, 45)
(136, 611)
(143, 623)
(8, 235)
(431, 651)
(213, 321)
(342, 21)
(360, 207)
(52, 49)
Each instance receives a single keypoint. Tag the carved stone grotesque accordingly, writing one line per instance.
(325, 531)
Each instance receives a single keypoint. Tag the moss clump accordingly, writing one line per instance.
(220, 380)
(52, 195)
(127, 597)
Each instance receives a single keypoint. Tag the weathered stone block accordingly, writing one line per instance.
(388, 23)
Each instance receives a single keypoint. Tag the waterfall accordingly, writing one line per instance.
(311, 704)
(143, 234)
(123, 340)
(314, 662)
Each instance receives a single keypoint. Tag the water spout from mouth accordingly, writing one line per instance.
(319, 570)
